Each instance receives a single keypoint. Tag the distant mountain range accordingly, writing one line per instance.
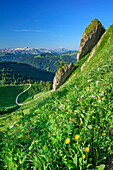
(32, 51)
(44, 60)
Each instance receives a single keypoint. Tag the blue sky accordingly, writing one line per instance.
(49, 23)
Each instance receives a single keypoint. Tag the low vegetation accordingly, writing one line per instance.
(69, 128)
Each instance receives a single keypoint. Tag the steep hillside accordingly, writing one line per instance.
(70, 128)
(18, 73)
(48, 61)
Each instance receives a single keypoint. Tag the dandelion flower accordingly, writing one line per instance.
(67, 141)
(87, 149)
(83, 156)
(81, 122)
(76, 137)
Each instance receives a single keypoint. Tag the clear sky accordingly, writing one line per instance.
(49, 23)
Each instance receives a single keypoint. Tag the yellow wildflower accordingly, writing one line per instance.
(76, 137)
(83, 156)
(81, 122)
(67, 141)
(87, 149)
(16, 165)
(101, 147)
(20, 162)
(89, 145)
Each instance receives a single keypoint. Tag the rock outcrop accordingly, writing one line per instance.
(90, 37)
(62, 74)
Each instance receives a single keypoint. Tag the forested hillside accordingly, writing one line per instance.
(12, 57)
(49, 61)
(19, 73)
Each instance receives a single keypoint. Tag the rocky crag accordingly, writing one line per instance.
(62, 74)
(92, 52)
(90, 37)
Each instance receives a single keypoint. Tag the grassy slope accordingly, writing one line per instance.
(8, 95)
(31, 94)
(39, 135)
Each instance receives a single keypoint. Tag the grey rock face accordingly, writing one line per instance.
(90, 39)
(62, 74)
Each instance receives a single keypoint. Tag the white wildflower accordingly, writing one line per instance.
(62, 106)
(99, 101)
(100, 94)
(89, 80)
(97, 82)
(11, 126)
(81, 97)
(92, 96)
(90, 127)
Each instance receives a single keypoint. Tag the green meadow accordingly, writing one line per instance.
(66, 129)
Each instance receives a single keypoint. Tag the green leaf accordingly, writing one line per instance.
(101, 167)
(89, 165)
(75, 160)
(70, 166)
(80, 161)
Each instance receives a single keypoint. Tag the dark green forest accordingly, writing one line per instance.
(20, 73)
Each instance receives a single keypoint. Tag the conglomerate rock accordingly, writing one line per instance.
(62, 74)
(90, 37)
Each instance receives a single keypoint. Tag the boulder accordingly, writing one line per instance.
(90, 37)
